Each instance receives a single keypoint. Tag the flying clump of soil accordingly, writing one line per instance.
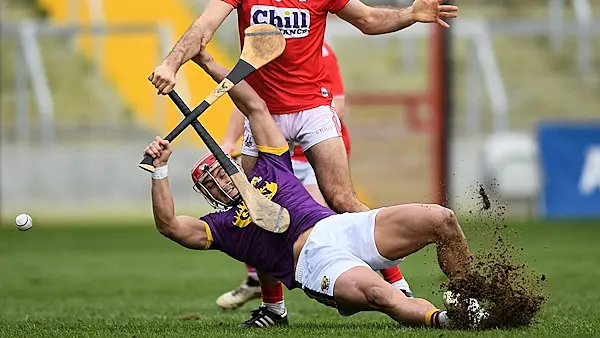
(511, 293)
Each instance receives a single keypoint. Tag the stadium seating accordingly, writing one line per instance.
(510, 169)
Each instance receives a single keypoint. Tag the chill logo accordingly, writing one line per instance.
(292, 22)
(242, 215)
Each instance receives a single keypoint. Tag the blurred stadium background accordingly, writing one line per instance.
(514, 105)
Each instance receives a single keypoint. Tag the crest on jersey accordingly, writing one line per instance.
(324, 283)
(248, 141)
(242, 216)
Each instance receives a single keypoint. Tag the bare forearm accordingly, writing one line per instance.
(235, 128)
(163, 207)
(384, 20)
(188, 45)
(242, 94)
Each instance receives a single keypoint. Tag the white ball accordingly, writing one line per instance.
(24, 222)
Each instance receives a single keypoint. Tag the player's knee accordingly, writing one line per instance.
(445, 222)
(379, 297)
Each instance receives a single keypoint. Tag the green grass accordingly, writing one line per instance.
(128, 281)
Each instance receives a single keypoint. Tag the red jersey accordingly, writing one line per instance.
(296, 80)
(332, 67)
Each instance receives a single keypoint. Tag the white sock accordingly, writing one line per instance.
(402, 285)
(278, 308)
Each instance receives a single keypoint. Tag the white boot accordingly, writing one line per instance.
(238, 297)
(476, 312)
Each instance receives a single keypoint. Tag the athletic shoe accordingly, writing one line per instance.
(263, 317)
(240, 296)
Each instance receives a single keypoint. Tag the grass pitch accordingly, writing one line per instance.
(128, 281)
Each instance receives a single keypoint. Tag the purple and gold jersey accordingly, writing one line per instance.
(231, 230)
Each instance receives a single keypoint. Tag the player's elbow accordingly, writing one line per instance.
(368, 28)
(367, 23)
(167, 228)
(257, 107)
(206, 29)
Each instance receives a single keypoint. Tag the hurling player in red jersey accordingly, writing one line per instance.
(296, 87)
(250, 287)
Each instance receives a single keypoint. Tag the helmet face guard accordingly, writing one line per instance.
(203, 169)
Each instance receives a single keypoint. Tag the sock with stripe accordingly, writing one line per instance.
(392, 275)
(436, 318)
(251, 273)
(272, 298)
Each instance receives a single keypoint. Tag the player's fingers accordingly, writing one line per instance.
(448, 15)
(448, 8)
(165, 144)
(162, 87)
(157, 80)
(158, 83)
(155, 150)
(149, 151)
(442, 23)
(169, 88)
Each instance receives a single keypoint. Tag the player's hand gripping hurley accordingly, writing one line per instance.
(263, 212)
(263, 43)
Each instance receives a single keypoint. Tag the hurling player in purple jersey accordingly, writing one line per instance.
(331, 257)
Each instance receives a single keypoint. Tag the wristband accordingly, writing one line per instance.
(160, 173)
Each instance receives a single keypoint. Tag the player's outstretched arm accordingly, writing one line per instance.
(381, 20)
(188, 45)
(188, 231)
(235, 130)
(263, 127)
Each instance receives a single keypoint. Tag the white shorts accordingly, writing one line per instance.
(306, 128)
(304, 172)
(337, 244)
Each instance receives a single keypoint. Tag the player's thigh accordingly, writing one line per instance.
(330, 163)
(319, 135)
(248, 163)
(401, 230)
(305, 173)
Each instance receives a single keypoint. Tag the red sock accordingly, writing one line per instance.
(272, 293)
(392, 275)
(251, 272)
